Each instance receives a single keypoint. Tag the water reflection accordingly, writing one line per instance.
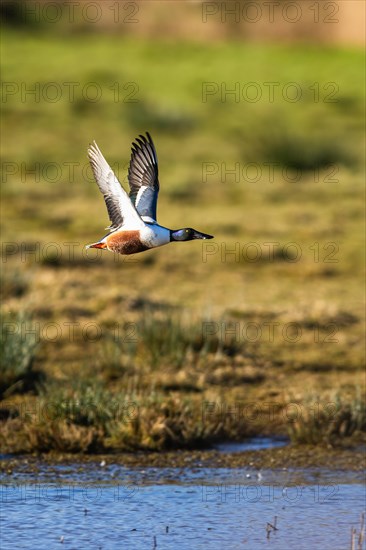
(252, 444)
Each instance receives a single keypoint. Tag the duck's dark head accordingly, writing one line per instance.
(187, 234)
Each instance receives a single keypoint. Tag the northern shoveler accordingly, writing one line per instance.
(134, 227)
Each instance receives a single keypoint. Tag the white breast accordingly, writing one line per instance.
(153, 235)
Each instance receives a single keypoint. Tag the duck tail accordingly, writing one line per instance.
(97, 245)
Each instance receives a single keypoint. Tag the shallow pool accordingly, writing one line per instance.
(111, 507)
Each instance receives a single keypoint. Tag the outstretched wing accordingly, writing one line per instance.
(120, 209)
(143, 177)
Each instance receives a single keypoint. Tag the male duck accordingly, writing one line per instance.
(134, 227)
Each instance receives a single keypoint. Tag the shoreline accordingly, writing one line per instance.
(348, 459)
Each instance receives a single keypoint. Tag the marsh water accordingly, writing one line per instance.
(107, 506)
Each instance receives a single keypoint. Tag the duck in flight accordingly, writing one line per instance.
(133, 217)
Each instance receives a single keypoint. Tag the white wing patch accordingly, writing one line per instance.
(120, 209)
(147, 219)
(140, 193)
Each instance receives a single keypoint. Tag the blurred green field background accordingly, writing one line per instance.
(319, 138)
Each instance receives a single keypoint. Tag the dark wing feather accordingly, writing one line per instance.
(143, 177)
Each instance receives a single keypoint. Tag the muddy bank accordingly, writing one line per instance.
(277, 458)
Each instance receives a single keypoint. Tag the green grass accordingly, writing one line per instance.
(86, 416)
(299, 179)
(14, 282)
(18, 344)
(329, 422)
